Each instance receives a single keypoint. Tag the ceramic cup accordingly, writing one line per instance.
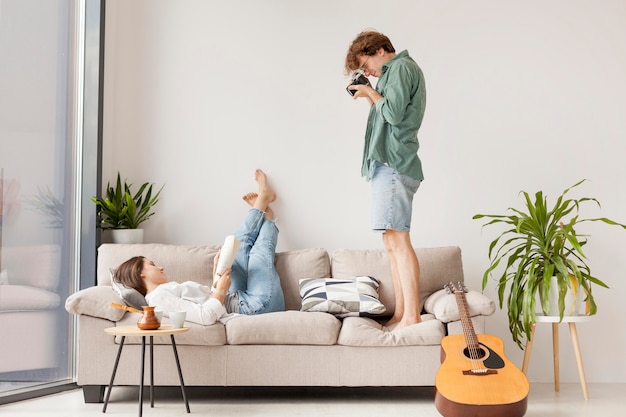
(177, 318)
(159, 314)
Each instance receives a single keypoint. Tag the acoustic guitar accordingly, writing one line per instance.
(475, 378)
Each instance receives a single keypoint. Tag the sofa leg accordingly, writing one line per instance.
(93, 393)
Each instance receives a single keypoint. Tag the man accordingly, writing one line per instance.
(390, 159)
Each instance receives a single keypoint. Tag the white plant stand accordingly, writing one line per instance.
(555, 320)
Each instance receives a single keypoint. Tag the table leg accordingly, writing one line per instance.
(579, 359)
(528, 349)
(117, 361)
(180, 373)
(555, 354)
(143, 358)
(151, 372)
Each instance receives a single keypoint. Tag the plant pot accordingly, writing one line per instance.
(572, 300)
(127, 235)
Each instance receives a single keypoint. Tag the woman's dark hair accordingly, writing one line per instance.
(129, 274)
(366, 43)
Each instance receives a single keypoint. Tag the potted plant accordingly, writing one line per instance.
(539, 245)
(121, 209)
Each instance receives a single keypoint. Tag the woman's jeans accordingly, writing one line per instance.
(253, 274)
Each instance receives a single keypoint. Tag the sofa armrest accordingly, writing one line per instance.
(96, 302)
(444, 307)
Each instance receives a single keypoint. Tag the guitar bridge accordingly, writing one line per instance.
(480, 372)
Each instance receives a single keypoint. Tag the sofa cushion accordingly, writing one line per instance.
(296, 264)
(283, 328)
(181, 263)
(25, 298)
(444, 306)
(95, 302)
(346, 297)
(363, 331)
(437, 267)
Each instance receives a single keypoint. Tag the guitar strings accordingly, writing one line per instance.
(477, 353)
(473, 347)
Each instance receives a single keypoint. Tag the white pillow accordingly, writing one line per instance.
(96, 302)
(443, 305)
(344, 297)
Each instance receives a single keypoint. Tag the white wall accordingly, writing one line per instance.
(521, 96)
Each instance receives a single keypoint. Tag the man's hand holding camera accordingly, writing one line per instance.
(358, 90)
(365, 91)
(361, 87)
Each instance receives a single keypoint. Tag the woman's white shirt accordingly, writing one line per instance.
(191, 297)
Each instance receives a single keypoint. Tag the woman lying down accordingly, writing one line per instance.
(250, 286)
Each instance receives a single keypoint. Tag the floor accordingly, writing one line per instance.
(606, 400)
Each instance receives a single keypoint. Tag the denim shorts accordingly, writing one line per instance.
(392, 198)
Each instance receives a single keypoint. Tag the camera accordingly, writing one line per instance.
(358, 77)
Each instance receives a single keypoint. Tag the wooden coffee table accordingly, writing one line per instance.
(164, 330)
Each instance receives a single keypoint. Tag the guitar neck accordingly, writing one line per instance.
(466, 321)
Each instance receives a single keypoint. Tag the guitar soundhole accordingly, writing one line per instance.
(474, 353)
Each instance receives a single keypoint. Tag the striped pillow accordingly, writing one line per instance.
(344, 297)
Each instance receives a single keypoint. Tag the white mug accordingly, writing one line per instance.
(159, 314)
(177, 318)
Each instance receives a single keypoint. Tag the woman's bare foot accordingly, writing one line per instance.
(250, 198)
(264, 197)
(266, 194)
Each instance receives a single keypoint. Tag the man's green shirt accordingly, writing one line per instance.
(393, 122)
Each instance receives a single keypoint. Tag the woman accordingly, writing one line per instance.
(251, 286)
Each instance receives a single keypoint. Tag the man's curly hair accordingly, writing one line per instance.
(366, 43)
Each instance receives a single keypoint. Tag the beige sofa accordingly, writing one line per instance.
(290, 348)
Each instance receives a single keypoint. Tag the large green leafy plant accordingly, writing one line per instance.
(121, 209)
(539, 243)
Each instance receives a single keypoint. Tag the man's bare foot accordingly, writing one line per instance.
(392, 321)
(402, 324)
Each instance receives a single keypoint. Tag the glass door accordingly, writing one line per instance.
(40, 188)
